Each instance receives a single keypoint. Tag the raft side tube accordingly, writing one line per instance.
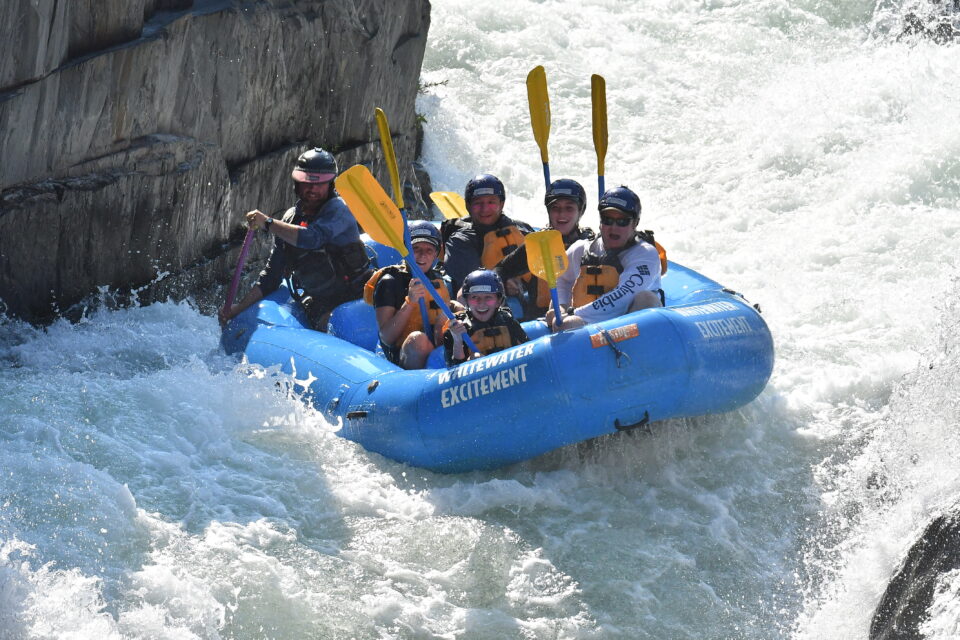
(708, 352)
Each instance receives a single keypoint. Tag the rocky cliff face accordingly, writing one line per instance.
(134, 133)
(907, 601)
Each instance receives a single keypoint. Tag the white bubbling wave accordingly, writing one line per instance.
(898, 475)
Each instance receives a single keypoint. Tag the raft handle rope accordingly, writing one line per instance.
(642, 424)
(620, 355)
(755, 305)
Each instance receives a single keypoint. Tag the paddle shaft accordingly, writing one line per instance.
(386, 142)
(425, 316)
(232, 292)
(557, 316)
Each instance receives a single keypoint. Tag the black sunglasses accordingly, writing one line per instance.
(620, 222)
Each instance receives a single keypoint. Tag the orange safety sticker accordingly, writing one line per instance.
(619, 335)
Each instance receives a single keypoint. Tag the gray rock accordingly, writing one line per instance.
(135, 133)
(906, 602)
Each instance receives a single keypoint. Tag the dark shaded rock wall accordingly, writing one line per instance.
(134, 133)
(906, 602)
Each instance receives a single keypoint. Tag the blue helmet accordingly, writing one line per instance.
(482, 281)
(484, 185)
(426, 231)
(622, 199)
(566, 188)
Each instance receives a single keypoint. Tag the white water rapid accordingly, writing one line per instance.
(794, 150)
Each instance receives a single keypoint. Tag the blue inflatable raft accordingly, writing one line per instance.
(706, 351)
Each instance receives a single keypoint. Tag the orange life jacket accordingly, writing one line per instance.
(415, 321)
(491, 339)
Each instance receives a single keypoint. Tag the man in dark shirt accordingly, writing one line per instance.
(316, 244)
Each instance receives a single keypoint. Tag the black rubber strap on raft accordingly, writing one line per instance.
(644, 421)
(616, 350)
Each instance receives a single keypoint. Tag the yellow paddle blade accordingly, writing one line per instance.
(372, 207)
(450, 203)
(539, 109)
(546, 255)
(598, 95)
(387, 143)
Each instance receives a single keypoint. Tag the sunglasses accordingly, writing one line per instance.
(620, 222)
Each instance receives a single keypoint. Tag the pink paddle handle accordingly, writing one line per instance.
(232, 293)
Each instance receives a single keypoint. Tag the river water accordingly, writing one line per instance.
(794, 150)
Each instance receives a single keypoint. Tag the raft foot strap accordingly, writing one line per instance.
(643, 424)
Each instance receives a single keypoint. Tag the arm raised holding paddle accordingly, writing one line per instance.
(491, 325)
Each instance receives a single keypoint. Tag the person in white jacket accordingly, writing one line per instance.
(614, 274)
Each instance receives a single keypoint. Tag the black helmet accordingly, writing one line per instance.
(482, 281)
(622, 199)
(484, 185)
(426, 231)
(315, 165)
(566, 188)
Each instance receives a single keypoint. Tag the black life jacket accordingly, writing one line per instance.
(490, 336)
(334, 273)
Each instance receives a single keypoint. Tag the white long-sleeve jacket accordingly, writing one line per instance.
(641, 271)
